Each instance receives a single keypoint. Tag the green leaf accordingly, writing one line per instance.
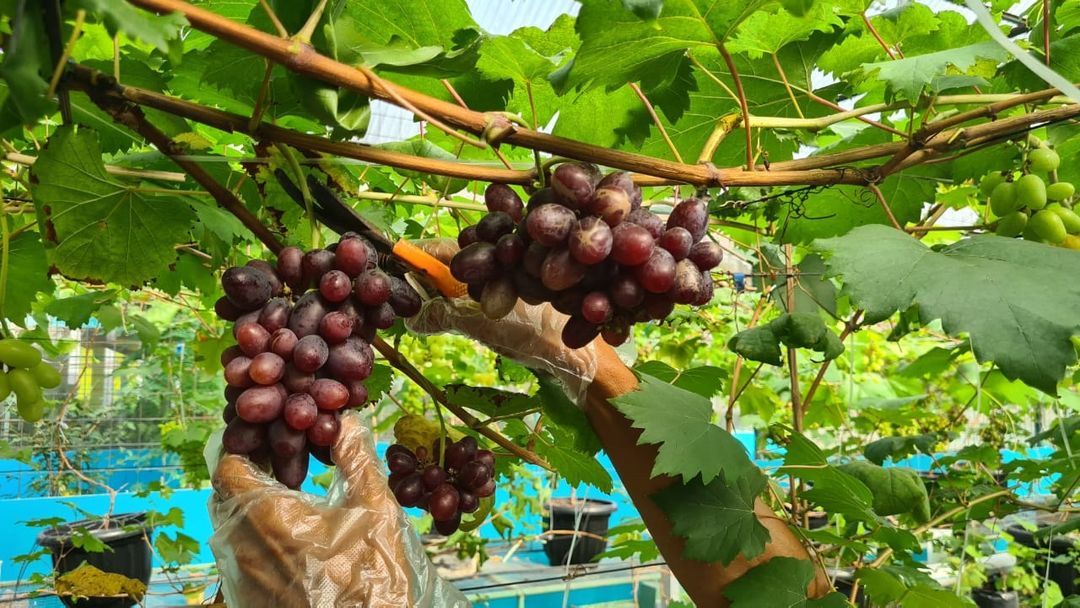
(28, 276)
(833, 490)
(1005, 294)
(104, 230)
(572, 464)
(907, 77)
(765, 33)
(925, 596)
(81, 538)
(881, 586)
(159, 31)
(896, 490)
(26, 66)
(559, 410)
(689, 443)
(644, 9)
(896, 447)
(812, 289)
(510, 57)
(179, 550)
(781, 582)
(618, 47)
(77, 310)
(489, 401)
(705, 380)
(716, 519)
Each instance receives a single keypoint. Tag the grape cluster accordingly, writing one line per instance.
(303, 331)
(1027, 206)
(446, 489)
(25, 374)
(586, 245)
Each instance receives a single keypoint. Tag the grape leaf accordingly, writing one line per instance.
(159, 31)
(560, 411)
(378, 383)
(897, 447)
(645, 9)
(557, 448)
(28, 276)
(895, 490)
(786, 580)
(907, 77)
(704, 380)
(833, 490)
(1006, 294)
(488, 401)
(25, 67)
(925, 596)
(689, 443)
(716, 519)
(104, 230)
(765, 33)
(75, 311)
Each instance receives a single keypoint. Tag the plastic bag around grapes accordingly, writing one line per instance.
(353, 547)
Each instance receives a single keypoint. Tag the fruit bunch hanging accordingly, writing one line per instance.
(1026, 205)
(444, 482)
(303, 331)
(586, 245)
(26, 375)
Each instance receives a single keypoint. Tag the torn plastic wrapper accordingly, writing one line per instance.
(353, 547)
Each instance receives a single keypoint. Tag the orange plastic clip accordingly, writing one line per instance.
(435, 270)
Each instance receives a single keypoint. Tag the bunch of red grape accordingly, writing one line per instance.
(587, 246)
(445, 490)
(301, 356)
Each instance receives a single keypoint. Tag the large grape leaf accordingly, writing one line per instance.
(679, 421)
(786, 580)
(28, 275)
(1008, 295)
(716, 519)
(765, 33)
(104, 230)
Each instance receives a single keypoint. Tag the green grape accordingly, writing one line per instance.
(1068, 217)
(1031, 191)
(31, 411)
(1072, 242)
(16, 353)
(1003, 199)
(1029, 233)
(5, 386)
(46, 375)
(1048, 226)
(1043, 160)
(25, 386)
(1012, 224)
(990, 181)
(1060, 191)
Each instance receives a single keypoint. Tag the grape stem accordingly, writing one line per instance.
(397, 360)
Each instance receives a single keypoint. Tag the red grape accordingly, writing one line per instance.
(282, 343)
(610, 204)
(409, 490)
(509, 250)
(316, 263)
(561, 271)
(494, 225)
(475, 263)
(534, 258)
(692, 214)
(297, 381)
(433, 476)
(358, 393)
(446, 527)
(253, 339)
(245, 287)
(498, 298)
(275, 314)
(236, 372)
(300, 411)
(229, 354)
(229, 413)
(381, 316)
(468, 502)
(351, 360)
(677, 241)
(631, 244)
(335, 286)
(574, 183)
(596, 307)
(261, 404)
(706, 255)
(569, 301)
(310, 353)
(616, 332)
(329, 394)
(550, 224)
(626, 292)
(290, 267)
(487, 457)
(578, 332)
(590, 241)
(271, 275)
(500, 197)
(325, 429)
(335, 327)
(403, 298)
(227, 310)
(706, 294)
(688, 283)
(473, 474)
(487, 489)
(658, 306)
(657, 275)
(467, 236)
(292, 471)
(401, 463)
(623, 181)
(351, 256)
(647, 220)
(244, 319)
(241, 437)
(542, 196)
(372, 288)
(286, 441)
(443, 504)
(530, 289)
(306, 315)
(267, 368)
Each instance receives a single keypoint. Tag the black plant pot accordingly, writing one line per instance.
(591, 539)
(130, 556)
(1063, 571)
(992, 598)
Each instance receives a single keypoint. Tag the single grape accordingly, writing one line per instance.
(1058, 191)
(473, 474)
(403, 298)
(290, 268)
(351, 256)
(487, 457)
(657, 275)
(433, 476)
(253, 339)
(358, 393)
(625, 182)
(468, 443)
(610, 204)
(500, 197)
(578, 332)
(245, 287)
(456, 456)
(329, 394)
(550, 224)
(236, 372)
(1048, 226)
(316, 263)
(574, 183)
(468, 236)
(286, 441)
(486, 490)
(335, 286)
(468, 503)
(310, 353)
(447, 527)
(707, 290)
(494, 225)
(599, 276)
(351, 360)
(401, 463)
(616, 331)
(275, 314)
(306, 315)
(325, 429)
(1031, 192)
(990, 181)
(626, 292)
(232, 393)
(631, 244)
(443, 504)
(706, 255)
(596, 307)
(509, 250)
(543, 196)
(367, 332)
(335, 327)
(241, 437)
(381, 316)
(267, 368)
(568, 301)
(1003, 199)
(475, 263)
(300, 411)
(276, 288)
(228, 413)
(561, 271)
(229, 354)
(322, 453)
(1043, 160)
(290, 471)
(590, 241)
(678, 241)
(498, 298)
(647, 220)
(297, 381)
(373, 288)
(409, 491)
(282, 343)
(658, 306)
(261, 404)
(688, 283)
(247, 317)
(227, 310)
(692, 214)
(534, 258)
